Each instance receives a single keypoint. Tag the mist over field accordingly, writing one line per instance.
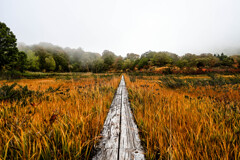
(120, 79)
(137, 26)
(117, 36)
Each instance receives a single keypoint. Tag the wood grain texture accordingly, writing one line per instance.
(120, 139)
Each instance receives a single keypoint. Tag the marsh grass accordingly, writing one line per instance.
(187, 121)
(63, 123)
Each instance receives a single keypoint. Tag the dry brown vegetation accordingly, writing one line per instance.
(55, 118)
(180, 119)
(186, 117)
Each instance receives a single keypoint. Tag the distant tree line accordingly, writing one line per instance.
(46, 57)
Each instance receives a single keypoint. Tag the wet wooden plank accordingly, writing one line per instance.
(120, 139)
(130, 143)
(108, 147)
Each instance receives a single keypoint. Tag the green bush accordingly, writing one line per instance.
(8, 92)
(22, 93)
(10, 75)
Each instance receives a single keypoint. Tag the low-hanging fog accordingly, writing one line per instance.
(123, 26)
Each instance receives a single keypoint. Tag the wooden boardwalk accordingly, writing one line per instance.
(120, 139)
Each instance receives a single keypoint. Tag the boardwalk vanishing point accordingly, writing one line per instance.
(120, 139)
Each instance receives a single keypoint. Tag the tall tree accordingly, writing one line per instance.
(50, 63)
(10, 57)
(33, 61)
(161, 59)
(108, 58)
(118, 64)
(42, 54)
(132, 56)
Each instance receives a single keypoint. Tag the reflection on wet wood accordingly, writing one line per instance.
(120, 139)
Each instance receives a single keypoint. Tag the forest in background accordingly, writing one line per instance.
(46, 57)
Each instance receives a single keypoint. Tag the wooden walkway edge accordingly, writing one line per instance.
(120, 139)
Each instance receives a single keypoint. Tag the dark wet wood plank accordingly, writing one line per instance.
(120, 139)
(130, 144)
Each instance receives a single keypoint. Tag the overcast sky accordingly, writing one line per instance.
(126, 26)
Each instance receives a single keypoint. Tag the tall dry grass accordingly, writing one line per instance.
(63, 123)
(200, 122)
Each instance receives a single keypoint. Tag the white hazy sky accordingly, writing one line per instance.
(125, 26)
